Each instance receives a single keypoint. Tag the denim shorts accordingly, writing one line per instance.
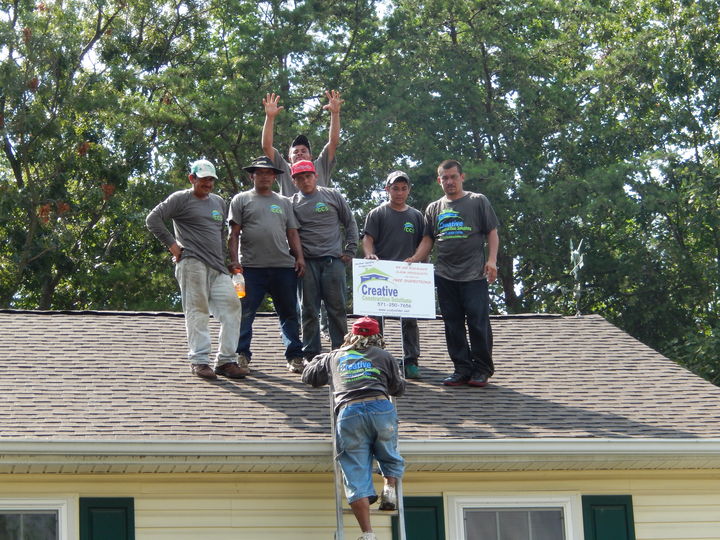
(367, 430)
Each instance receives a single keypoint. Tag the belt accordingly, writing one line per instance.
(360, 400)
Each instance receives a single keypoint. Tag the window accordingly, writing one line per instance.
(507, 517)
(32, 519)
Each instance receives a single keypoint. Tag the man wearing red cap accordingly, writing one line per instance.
(300, 147)
(362, 376)
(321, 213)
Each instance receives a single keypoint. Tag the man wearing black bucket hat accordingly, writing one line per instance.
(264, 228)
(300, 147)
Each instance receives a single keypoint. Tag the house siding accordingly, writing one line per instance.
(668, 505)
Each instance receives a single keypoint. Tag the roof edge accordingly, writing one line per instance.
(453, 447)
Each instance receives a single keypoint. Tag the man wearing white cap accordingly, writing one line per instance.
(197, 246)
(393, 232)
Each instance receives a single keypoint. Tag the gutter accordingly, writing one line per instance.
(437, 448)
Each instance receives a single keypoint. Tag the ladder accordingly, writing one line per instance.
(340, 510)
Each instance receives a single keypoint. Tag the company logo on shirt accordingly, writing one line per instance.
(321, 207)
(216, 215)
(353, 366)
(408, 227)
(451, 225)
(275, 209)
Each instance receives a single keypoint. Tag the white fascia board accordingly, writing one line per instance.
(458, 447)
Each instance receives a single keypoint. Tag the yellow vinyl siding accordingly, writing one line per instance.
(668, 505)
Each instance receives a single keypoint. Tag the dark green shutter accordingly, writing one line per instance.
(107, 519)
(424, 519)
(608, 517)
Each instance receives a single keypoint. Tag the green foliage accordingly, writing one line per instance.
(579, 120)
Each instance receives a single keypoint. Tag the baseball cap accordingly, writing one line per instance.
(203, 168)
(365, 326)
(301, 167)
(395, 176)
(262, 162)
(301, 139)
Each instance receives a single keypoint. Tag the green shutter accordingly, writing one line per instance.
(107, 519)
(608, 517)
(424, 519)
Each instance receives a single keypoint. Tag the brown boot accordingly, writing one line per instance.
(203, 371)
(232, 371)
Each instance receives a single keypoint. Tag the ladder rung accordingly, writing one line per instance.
(374, 512)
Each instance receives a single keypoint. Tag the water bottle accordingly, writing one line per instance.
(239, 283)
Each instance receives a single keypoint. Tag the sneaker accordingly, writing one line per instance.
(456, 379)
(388, 499)
(367, 536)
(231, 370)
(412, 371)
(243, 362)
(478, 380)
(296, 365)
(203, 371)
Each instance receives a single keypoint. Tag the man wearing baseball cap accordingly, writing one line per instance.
(300, 147)
(393, 232)
(263, 225)
(321, 213)
(198, 217)
(363, 376)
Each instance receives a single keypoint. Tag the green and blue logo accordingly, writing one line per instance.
(275, 209)
(216, 215)
(321, 207)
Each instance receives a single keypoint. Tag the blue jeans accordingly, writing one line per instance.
(460, 301)
(281, 285)
(364, 431)
(324, 279)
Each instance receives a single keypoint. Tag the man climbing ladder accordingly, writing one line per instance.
(363, 376)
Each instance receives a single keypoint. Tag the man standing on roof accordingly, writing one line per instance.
(321, 212)
(363, 376)
(198, 217)
(300, 147)
(393, 232)
(459, 223)
(263, 224)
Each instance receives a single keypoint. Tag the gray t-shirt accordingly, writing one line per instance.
(264, 221)
(320, 216)
(199, 226)
(323, 167)
(396, 234)
(459, 229)
(356, 374)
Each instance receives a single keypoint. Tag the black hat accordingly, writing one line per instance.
(395, 176)
(262, 162)
(301, 139)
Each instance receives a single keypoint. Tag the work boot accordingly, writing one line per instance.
(203, 371)
(232, 371)
(296, 365)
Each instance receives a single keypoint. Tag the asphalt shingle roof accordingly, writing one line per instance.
(112, 376)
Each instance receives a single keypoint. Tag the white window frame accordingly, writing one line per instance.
(571, 504)
(58, 505)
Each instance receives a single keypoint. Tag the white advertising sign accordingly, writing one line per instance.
(393, 289)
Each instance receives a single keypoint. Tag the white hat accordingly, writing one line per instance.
(202, 168)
